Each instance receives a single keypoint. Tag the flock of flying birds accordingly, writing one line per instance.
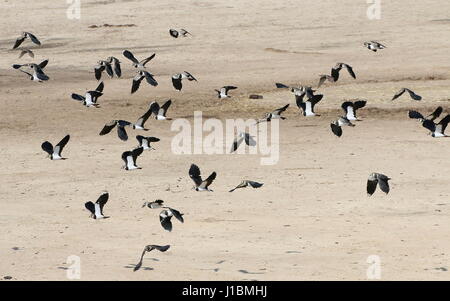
(305, 98)
(112, 67)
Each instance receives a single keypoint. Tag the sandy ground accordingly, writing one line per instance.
(312, 219)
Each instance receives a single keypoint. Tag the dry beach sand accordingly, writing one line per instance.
(312, 219)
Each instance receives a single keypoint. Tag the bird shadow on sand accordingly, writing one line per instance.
(247, 272)
(306, 126)
(132, 266)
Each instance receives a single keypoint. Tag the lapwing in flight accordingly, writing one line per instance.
(140, 75)
(416, 115)
(377, 179)
(336, 69)
(121, 132)
(437, 130)
(96, 208)
(113, 61)
(165, 217)
(177, 78)
(298, 91)
(350, 108)
(374, 45)
(160, 111)
(181, 33)
(242, 137)
(307, 106)
(150, 248)
(335, 73)
(336, 126)
(223, 92)
(103, 66)
(54, 153)
(137, 64)
(130, 157)
(154, 205)
(144, 142)
(139, 125)
(25, 35)
(91, 97)
(276, 114)
(247, 183)
(38, 73)
(200, 184)
(410, 92)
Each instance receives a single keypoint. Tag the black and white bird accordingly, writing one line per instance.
(178, 33)
(150, 248)
(177, 78)
(410, 92)
(298, 91)
(336, 126)
(139, 125)
(115, 63)
(223, 92)
(335, 73)
(165, 217)
(276, 114)
(350, 108)
(121, 132)
(336, 69)
(307, 106)
(153, 205)
(201, 185)
(374, 45)
(91, 97)
(437, 130)
(54, 153)
(137, 64)
(38, 73)
(140, 75)
(242, 136)
(96, 208)
(26, 51)
(247, 183)
(144, 142)
(103, 66)
(160, 111)
(416, 115)
(377, 179)
(130, 157)
(22, 38)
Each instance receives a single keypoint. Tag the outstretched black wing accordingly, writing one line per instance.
(150, 79)
(371, 186)
(336, 129)
(130, 56)
(47, 147)
(108, 127)
(90, 206)
(136, 153)
(176, 82)
(33, 38)
(165, 107)
(60, 146)
(415, 115)
(102, 201)
(281, 86)
(194, 173)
